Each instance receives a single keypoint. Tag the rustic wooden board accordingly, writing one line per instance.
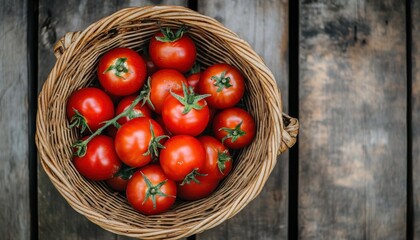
(415, 21)
(57, 220)
(352, 172)
(264, 25)
(14, 175)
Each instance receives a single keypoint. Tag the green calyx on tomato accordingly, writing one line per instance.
(233, 133)
(145, 92)
(79, 121)
(170, 36)
(190, 99)
(152, 191)
(154, 143)
(80, 146)
(125, 172)
(221, 81)
(222, 158)
(120, 67)
(192, 177)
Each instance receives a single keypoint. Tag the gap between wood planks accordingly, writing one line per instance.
(32, 61)
(294, 111)
(410, 200)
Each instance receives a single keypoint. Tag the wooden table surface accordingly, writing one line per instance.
(348, 69)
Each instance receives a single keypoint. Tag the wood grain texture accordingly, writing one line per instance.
(14, 175)
(352, 172)
(264, 25)
(415, 21)
(57, 220)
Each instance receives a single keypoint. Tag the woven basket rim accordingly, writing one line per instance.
(286, 135)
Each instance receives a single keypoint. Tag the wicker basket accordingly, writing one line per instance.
(78, 54)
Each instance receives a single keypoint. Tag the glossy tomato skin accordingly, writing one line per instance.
(181, 155)
(138, 109)
(230, 119)
(193, 80)
(192, 123)
(137, 189)
(179, 54)
(132, 141)
(216, 154)
(222, 97)
(131, 77)
(94, 104)
(100, 161)
(161, 83)
(195, 191)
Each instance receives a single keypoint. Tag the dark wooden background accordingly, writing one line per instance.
(349, 69)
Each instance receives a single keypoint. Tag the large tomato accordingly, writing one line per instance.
(225, 84)
(235, 127)
(182, 158)
(197, 190)
(89, 108)
(149, 191)
(100, 161)
(186, 113)
(122, 71)
(138, 141)
(172, 50)
(218, 160)
(161, 83)
(139, 110)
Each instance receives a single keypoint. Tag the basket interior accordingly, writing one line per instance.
(104, 205)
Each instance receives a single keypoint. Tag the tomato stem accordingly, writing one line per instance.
(153, 190)
(79, 121)
(120, 67)
(170, 36)
(221, 81)
(146, 94)
(192, 177)
(233, 133)
(222, 158)
(80, 146)
(154, 143)
(190, 99)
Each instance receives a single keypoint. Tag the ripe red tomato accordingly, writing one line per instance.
(186, 113)
(182, 158)
(138, 110)
(193, 80)
(137, 142)
(235, 127)
(100, 161)
(225, 84)
(195, 191)
(89, 108)
(119, 181)
(174, 51)
(149, 191)
(161, 83)
(122, 71)
(218, 160)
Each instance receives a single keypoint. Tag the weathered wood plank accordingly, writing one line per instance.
(352, 172)
(415, 31)
(57, 220)
(263, 24)
(14, 175)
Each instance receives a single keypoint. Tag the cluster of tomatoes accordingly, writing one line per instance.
(169, 136)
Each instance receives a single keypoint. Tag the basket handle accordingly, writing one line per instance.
(289, 132)
(64, 43)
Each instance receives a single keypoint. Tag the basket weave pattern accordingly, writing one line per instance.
(78, 55)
